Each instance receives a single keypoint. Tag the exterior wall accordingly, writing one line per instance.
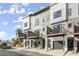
(74, 7)
(41, 16)
(73, 19)
(26, 19)
(55, 8)
(52, 39)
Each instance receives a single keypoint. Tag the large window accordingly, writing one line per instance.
(25, 24)
(57, 28)
(37, 21)
(57, 14)
(69, 13)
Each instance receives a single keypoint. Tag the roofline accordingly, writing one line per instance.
(25, 17)
(41, 10)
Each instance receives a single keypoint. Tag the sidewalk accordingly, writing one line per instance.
(43, 51)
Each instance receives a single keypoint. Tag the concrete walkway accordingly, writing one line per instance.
(42, 51)
(49, 52)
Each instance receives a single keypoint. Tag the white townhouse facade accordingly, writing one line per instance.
(63, 18)
(54, 27)
(26, 26)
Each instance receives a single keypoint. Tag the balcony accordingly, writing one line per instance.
(55, 31)
(33, 35)
(21, 35)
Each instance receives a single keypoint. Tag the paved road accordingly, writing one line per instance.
(6, 52)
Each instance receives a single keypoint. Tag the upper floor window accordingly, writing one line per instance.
(57, 14)
(37, 21)
(69, 13)
(25, 24)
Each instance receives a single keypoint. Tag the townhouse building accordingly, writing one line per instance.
(26, 27)
(64, 31)
(38, 21)
(54, 27)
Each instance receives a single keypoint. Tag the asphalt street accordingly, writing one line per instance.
(6, 52)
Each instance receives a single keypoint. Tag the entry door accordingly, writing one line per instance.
(43, 43)
(70, 44)
(77, 46)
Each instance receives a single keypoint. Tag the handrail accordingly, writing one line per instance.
(42, 34)
(67, 30)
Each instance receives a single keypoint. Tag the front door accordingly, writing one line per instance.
(70, 44)
(43, 43)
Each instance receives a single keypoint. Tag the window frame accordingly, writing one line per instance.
(57, 14)
(37, 21)
(69, 12)
(26, 24)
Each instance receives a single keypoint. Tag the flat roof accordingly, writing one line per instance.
(41, 10)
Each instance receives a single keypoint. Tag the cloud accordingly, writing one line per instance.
(42, 7)
(2, 35)
(11, 11)
(28, 9)
(25, 4)
(0, 7)
(18, 20)
(14, 9)
(3, 11)
(16, 27)
(22, 10)
(5, 23)
(31, 12)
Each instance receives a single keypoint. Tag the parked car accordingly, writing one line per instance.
(5, 46)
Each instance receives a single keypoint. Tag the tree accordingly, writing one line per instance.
(18, 34)
(18, 31)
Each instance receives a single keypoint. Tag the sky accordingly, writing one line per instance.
(11, 17)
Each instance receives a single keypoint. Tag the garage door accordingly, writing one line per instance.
(58, 44)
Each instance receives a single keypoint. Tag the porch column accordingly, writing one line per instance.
(65, 44)
(51, 45)
(75, 46)
(46, 43)
(24, 42)
(30, 43)
(33, 43)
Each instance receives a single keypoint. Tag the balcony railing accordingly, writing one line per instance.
(21, 35)
(33, 34)
(55, 31)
